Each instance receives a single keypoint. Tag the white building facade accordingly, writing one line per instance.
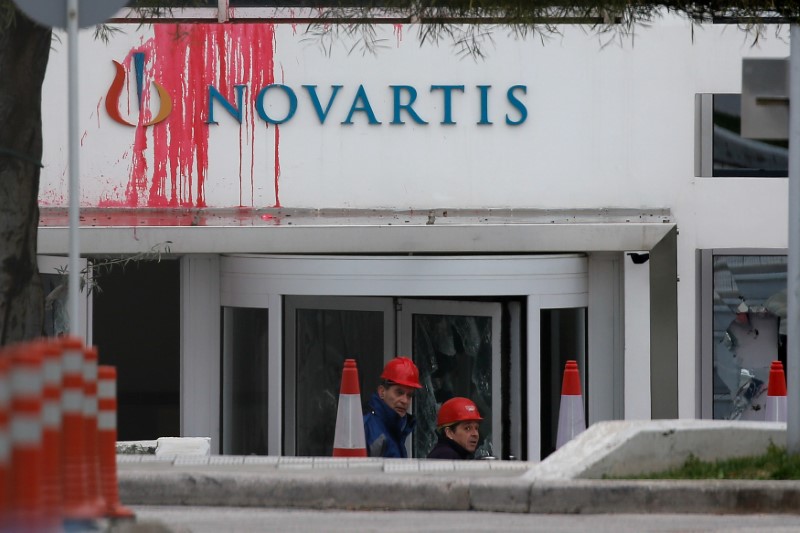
(491, 218)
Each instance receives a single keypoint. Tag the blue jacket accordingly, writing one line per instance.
(386, 431)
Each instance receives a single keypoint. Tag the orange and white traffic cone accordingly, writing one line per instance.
(75, 506)
(571, 419)
(775, 409)
(27, 498)
(91, 457)
(107, 441)
(51, 425)
(349, 441)
(5, 440)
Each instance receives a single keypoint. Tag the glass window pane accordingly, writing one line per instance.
(246, 366)
(749, 318)
(325, 338)
(454, 356)
(736, 156)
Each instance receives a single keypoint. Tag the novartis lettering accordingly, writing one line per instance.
(453, 98)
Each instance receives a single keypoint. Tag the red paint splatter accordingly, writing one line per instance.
(398, 33)
(153, 217)
(186, 59)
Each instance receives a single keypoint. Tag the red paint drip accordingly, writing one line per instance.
(186, 59)
(398, 33)
(277, 165)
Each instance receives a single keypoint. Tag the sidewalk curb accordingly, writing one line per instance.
(426, 493)
(660, 496)
(357, 492)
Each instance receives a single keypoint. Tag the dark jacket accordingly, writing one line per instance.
(386, 431)
(449, 449)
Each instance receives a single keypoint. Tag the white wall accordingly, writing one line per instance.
(608, 126)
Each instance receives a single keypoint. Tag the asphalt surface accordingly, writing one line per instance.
(182, 519)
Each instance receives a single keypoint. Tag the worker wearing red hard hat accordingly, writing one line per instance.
(388, 422)
(458, 425)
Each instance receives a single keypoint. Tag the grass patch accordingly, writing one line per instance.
(775, 464)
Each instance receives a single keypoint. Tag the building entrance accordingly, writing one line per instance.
(473, 325)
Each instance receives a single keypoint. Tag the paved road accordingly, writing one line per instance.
(240, 519)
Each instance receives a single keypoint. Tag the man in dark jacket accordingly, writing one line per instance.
(458, 423)
(388, 422)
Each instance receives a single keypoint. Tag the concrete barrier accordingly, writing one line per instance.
(626, 448)
(183, 446)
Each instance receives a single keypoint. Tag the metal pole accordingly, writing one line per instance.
(793, 268)
(73, 134)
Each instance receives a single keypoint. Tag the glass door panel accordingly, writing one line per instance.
(563, 337)
(245, 381)
(321, 333)
(456, 346)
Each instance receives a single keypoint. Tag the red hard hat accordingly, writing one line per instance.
(457, 410)
(402, 371)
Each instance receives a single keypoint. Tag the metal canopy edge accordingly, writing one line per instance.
(281, 231)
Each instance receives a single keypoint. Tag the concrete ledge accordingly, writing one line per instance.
(717, 497)
(624, 448)
(247, 490)
(550, 487)
(511, 495)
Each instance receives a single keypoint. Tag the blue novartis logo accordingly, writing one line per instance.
(454, 99)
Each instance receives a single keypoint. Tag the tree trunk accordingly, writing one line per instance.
(24, 51)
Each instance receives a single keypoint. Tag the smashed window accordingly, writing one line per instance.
(749, 318)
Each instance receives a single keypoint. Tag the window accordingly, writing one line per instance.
(746, 329)
(723, 152)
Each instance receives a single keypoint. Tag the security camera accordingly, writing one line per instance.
(639, 259)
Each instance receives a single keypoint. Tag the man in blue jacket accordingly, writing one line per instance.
(388, 422)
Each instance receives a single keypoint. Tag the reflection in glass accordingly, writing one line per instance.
(246, 378)
(454, 356)
(325, 338)
(749, 320)
(735, 155)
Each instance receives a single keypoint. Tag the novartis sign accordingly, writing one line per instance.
(403, 99)
(277, 103)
